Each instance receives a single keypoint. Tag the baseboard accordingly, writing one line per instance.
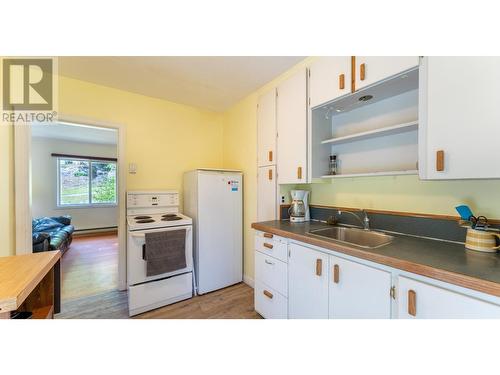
(248, 280)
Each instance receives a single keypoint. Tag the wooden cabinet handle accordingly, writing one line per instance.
(270, 174)
(268, 245)
(299, 173)
(440, 161)
(412, 302)
(270, 156)
(268, 294)
(362, 72)
(336, 273)
(319, 267)
(268, 235)
(341, 81)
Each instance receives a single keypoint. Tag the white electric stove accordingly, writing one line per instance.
(147, 212)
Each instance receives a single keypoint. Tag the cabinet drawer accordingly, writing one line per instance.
(269, 303)
(271, 272)
(417, 299)
(272, 246)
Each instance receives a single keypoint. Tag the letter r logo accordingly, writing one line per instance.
(27, 84)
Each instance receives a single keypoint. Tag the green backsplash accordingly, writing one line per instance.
(406, 193)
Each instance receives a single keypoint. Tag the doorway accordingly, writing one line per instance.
(87, 170)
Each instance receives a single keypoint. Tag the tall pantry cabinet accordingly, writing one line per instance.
(266, 157)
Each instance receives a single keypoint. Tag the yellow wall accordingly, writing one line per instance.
(163, 138)
(407, 194)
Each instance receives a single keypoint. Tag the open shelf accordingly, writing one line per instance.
(388, 130)
(372, 174)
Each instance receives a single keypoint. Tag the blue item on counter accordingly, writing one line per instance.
(464, 211)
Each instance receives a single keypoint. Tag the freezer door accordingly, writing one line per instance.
(219, 228)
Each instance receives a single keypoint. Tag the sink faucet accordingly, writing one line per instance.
(365, 222)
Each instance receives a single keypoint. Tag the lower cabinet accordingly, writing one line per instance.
(271, 276)
(269, 303)
(299, 282)
(307, 283)
(358, 291)
(417, 299)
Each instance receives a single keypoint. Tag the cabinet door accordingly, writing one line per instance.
(292, 129)
(307, 283)
(370, 69)
(420, 300)
(329, 78)
(459, 117)
(358, 291)
(266, 193)
(266, 129)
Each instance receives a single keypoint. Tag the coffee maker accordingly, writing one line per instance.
(299, 209)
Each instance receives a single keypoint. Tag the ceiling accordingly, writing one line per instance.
(75, 133)
(209, 82)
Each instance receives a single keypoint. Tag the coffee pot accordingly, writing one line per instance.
(299, 209)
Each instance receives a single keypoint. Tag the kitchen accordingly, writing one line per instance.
(303, 210)
(397, 117)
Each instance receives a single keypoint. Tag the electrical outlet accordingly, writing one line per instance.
(282, 199)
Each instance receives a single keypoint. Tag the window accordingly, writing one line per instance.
(85, 182)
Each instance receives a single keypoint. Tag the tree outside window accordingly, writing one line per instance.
(86, 182)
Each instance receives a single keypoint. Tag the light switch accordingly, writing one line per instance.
(132, 168)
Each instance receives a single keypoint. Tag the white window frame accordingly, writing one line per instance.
(90, 204)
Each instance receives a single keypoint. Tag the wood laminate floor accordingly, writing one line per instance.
(234, 302)
(89, 289)
(90, 267)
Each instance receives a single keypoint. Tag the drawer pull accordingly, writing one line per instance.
(299, 173)
(268, 262)
(362, 72)
(268, 245)
(336, 273)
(319, 267)
(412, 302)
(270, 156)
(440, 161)
(268, 294)
(270, 174)
(341, 81)
(268, 235)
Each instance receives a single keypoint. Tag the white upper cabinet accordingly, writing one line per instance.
(459, 117)
(307, 283)
(266, 193)
(292, 129)
(266, 129)
(358, 291)
(329, 78)
(370, 69)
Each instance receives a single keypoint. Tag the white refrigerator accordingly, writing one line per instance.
(214, 200)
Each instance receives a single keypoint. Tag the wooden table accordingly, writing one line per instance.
(31, 283)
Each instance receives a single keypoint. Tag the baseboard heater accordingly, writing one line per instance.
(95, 230)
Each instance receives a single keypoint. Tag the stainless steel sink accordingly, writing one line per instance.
(354, 236)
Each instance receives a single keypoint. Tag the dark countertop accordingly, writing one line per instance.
(445, 261)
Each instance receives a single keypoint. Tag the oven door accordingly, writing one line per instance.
(136, 265)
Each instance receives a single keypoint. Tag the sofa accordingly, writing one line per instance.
(52, 233)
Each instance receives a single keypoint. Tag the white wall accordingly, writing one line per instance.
(44, 182)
